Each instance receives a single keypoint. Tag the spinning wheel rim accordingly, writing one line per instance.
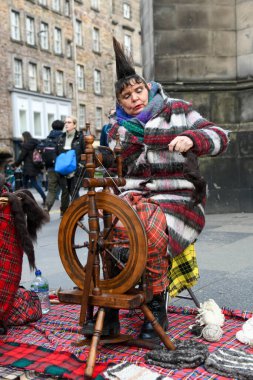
(135, 265)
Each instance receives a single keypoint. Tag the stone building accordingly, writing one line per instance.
(57, 59)
(202, 51)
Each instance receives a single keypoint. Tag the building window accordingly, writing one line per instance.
(23, 120)
(46, 80)
(99, 119)
(59, 83)
(95, 5)
(57, 41)
(30, 31)
(82, 116)
(97, 82)
(18, 73)
(43, 2)
(70, 91)
(69, 49)
(32, 76)
(128, 44)
(80, 77)
(56, 5)
(96, 40)
(15, 25)
(44, 36)
(67, 8)
(79, 34)
(37, 123)
(126, 11)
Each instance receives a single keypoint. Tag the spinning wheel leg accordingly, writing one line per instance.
(94, 343)
(158, 329)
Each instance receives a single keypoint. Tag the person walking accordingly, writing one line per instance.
(56, 182)
(72, 139)
(30, 170)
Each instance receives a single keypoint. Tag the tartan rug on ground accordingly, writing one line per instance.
(45, 346)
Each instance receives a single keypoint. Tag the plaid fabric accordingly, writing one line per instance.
(154, 222)
(46, 346)
(11, 256)
(26, 308)
(184, 272)
(151, 168)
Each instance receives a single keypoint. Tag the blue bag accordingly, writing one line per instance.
(66, 163)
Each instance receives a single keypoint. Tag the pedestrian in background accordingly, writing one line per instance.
(56, 182)
(72, 139)
(105, 129)
(30, 170)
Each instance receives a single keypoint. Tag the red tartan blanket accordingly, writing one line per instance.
(45, 346)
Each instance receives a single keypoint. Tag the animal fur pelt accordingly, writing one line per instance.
(28, 217)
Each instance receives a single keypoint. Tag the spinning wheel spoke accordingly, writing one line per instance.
(79, 246)
(111, 228)
(82, 226)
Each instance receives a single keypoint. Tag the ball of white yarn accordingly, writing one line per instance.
(212, 333)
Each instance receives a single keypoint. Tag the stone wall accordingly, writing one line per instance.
(203, 53)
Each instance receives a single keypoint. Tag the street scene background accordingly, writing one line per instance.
(224, 255)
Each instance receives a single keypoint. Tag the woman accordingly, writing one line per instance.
(30, 171)
(72, 139)
(160, 138)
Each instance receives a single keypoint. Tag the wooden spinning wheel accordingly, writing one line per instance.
(89, 238)
(112, 211)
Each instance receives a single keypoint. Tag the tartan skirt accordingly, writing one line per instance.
(11, 257)
(155, 225)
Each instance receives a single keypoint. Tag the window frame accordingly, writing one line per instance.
(96, 39)
(80, 77)
(95, 4)
(56, 5)
(44, 35)
(15, 25)
(32, 79)
(18, 73)
(46, 80)
(57, 40)
(82, 115)
(127, 11)
(59, 74)
(128, 47)
(99, 127)
(30, 30)
(78, 32)
(97, 82)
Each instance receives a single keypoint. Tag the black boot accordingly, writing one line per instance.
(158, 308)
(111, 325)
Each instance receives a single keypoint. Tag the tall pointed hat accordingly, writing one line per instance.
(124, 63)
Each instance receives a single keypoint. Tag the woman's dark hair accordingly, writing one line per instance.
(126, 74)
(27, 136)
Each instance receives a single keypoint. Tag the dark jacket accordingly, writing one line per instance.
(77, 143)
(26, 156)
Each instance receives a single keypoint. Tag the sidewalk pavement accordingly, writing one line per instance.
(224, 255)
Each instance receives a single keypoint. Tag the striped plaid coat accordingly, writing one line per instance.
(149, 167)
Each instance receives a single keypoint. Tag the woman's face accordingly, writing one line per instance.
(69, 124)
(134, 98)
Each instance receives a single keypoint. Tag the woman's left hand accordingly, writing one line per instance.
(180, 144)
